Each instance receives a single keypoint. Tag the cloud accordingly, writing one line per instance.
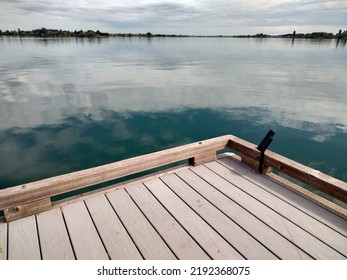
(184, 17)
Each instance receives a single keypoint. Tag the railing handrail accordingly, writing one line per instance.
(307, 175)
(197, 153)
(49, 187)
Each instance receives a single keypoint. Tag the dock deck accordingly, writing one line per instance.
(219, 209)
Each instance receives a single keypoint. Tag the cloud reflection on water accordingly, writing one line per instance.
(81, 105)
(132, 76)
(82, 141)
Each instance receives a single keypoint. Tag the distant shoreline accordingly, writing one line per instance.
(55, 33)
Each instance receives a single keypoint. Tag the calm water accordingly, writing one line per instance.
(70, 104)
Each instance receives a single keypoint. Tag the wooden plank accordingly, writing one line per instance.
(148, 241)
(301, 219)
(249, 247)
(3, 240)
(255, 227)
(121, 185)
(54, 239)
(28, 209)
(243, 147)
(331, 206)
(84, 237)
(324, 216)
(286, 228)
(322, 202)
(117, 241)
(325, 183)
(23, 242)
(180, 242)
(18, 195)
(208, 238)
(314, 178)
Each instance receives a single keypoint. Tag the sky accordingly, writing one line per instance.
(188, 17)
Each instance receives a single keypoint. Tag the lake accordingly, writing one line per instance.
(69, 104)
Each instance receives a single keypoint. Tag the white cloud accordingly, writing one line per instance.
(176, 16)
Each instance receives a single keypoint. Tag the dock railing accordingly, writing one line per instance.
(35, 197)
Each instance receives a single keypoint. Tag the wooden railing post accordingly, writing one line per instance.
(203, 157)
(17, 212)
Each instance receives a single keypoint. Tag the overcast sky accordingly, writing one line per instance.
(191, 17)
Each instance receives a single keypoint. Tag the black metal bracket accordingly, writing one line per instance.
(264, 144)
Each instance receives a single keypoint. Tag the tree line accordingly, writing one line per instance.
(318, 35)
(313, 35)
(46, 33)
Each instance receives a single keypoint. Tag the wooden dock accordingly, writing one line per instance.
(215, 207)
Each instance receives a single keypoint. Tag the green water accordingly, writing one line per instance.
(68, 104)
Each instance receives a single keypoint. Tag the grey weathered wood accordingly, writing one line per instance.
(249, 247)
(259, 230)
(292, 232)
(319, 213)
(208, 238)
(54, 239)
(117, 241)
(144, 235)
(304, 221)
(3, 240)
(23, 243)
(180, 242)
(84, 237)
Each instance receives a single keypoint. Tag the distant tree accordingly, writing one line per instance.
(44, 32)
(339, 34)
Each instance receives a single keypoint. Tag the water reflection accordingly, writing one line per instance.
(135, 77)
(68, 104)
(341, 43)
(19, 110)
(80, 141)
